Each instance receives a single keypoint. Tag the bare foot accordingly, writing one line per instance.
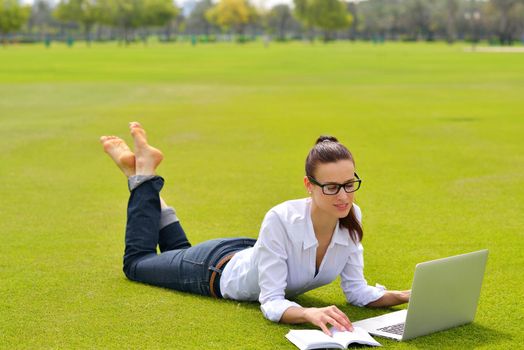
(120, 153)
(147, 158)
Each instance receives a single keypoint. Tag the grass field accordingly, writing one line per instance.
(437, 134)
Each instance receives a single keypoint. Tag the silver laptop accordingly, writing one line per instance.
(444, 294)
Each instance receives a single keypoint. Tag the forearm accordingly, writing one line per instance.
(391, 298)
(294, 314)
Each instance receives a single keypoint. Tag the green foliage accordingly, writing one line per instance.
(232, 14)
(12, 16)
(278, 20)
(328, 15)
(126, 14)
(197, 20)
(507, 18)
(158, 12)
(85, 12)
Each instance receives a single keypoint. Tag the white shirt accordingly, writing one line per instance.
(282, 263)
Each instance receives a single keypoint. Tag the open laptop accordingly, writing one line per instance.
(444, 294)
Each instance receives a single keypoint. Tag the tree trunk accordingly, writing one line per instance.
(87, 34)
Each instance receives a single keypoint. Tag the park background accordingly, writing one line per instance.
(435, 127)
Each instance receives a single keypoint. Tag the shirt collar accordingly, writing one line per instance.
(340, 235)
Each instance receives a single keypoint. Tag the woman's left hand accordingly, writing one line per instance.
(391, 298)
(404, 295)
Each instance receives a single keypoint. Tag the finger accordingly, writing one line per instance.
(342, 318)
(335, 323)
(324, 329)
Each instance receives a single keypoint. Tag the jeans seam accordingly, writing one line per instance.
(193, 262)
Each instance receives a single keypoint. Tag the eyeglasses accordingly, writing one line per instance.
(332, 189)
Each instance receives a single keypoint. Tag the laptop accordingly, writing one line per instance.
(444, 294)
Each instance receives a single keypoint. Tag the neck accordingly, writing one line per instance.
(322, 224)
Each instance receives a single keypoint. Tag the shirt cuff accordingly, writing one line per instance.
(374, 293)
(274, 309)
(136, 180)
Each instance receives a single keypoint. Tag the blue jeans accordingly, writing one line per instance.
(179, 266)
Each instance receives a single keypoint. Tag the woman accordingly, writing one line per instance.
(302, 244)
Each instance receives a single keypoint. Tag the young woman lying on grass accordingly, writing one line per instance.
(303, 244)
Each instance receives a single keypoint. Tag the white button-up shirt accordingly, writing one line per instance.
(282, 263)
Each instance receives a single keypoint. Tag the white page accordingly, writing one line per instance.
(359, 335)
(304, 338)
(311, 338)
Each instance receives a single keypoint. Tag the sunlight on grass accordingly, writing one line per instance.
(436, 133)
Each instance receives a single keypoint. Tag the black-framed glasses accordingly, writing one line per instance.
(332, 188)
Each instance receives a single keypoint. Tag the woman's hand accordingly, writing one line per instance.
(332, 315)
(391, 298)
(404, 295)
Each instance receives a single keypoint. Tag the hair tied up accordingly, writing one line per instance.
(325, 138)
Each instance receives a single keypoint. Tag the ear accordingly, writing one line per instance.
(308, 185)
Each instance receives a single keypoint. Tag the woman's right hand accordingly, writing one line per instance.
(331, 315)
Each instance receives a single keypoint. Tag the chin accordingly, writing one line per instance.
(341, 215)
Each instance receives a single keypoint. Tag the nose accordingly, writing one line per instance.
(343, 195)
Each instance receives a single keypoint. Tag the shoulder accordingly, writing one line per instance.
(290, 212)
(288, 219)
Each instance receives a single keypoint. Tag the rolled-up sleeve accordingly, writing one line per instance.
(353, 283)
(272, 268)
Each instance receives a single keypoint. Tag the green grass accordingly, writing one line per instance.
(437, 134)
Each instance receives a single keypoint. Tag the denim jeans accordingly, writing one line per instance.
(179, 265)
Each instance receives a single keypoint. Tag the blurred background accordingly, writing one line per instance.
(500, 22)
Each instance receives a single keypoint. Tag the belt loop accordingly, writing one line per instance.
(217, 270)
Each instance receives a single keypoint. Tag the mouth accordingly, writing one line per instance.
(342, 206)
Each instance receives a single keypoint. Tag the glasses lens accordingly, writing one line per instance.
(330, 189)
(352, 186)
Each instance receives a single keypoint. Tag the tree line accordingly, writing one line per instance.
(500, 21)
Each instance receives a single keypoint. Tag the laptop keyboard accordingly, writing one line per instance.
(395, 329)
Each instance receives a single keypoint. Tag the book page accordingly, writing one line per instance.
(312, 339)
(359, 335)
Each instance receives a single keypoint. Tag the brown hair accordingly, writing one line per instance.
(327, 149)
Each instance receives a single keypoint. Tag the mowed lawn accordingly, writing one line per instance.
(437, 134)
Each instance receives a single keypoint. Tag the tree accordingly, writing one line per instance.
(197, 21)
(232, 15)
(41, 17)
(328, 15)
(85, 12)
(452, 10)
(353, 29)
(124, 14)
(12, 17)
(158, 12)
(279, 20)
(419, 19)
(381, 18)
(507, 17)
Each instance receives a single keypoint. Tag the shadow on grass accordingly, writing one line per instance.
(463, 337)
(354, 313)
(468, 336)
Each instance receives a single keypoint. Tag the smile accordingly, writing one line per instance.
(342, 206)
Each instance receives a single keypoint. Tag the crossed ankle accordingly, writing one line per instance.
(136, 180)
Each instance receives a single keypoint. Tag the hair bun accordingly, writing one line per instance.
(324, 138)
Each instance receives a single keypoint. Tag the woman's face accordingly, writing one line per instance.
(340, 172)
